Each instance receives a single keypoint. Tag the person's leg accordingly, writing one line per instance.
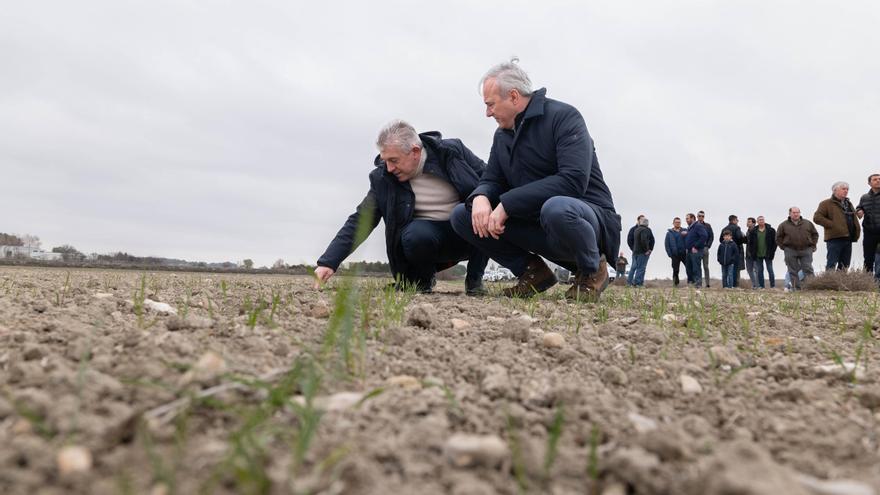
(454, 249)
(845, 254)
(697, 266)
(724, 272)
(750, 269)
(421, 241)
(676, 262)
(869, 249)
(732, 271)
(572, 232)
(770, 274)
(806, 257)
(758, 267)
(877, 266)
(793, 265)
(505, 250)
(833, 256)
(643, 265)
(704, 258)
(632, 271)
(688, 269)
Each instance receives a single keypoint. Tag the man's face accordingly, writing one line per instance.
(503, 108)
(676, 223)
(761, 222)
(735, 221)
(402, 164)
(875, 182)
(795, 214)
(700, 217)
(690, 219)
(841, 192)
(750, 223)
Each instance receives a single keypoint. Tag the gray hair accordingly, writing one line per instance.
(509, 75)
(398, 133)
(837, 185)
(644, 221)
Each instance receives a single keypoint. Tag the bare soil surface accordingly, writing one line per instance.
(163, 383)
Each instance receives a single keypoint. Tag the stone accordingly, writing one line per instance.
(464, 450)
(207, 368)
(724, 356)
(690, 385)
(103, 295)
(404, 381)
(338, 402)
(614, 488)
(458, 324)
(642, 424)
(73, 459)
(553, 340)
(159, 307)
(613, 375)
(833, 487)
(320, 310)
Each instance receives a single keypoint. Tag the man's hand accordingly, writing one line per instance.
(648, 253)
(496, 221)
(322, 274)
(481, 208)
(860, 213)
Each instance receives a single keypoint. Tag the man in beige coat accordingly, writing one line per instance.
(838, 216)
(797, 237)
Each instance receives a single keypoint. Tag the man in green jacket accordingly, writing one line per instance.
(838, 216)
(797, 237)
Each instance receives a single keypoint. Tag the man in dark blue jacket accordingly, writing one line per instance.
(418, 180)
(542, 194)
(674, 243)
(695, 244)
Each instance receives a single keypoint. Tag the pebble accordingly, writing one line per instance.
(690, 385)
(159, 307)
(74, 459)
(208, 367)
(553, 340)
(404, 381)
(463, 450)
(833, 487)
(103, 295)
(459, 324)
(339, 401)
(642, 424)
(614, 488)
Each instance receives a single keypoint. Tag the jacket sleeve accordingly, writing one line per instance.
(477, 164)
(669, 244)
(345, 241)
(492, 181)
(710, 235)
(861, 200)
(651, 240)
(574, 160)
(780, 236)
(822, 216)
(630, 240)
(720, 255)
(771, 243)
(814, 236)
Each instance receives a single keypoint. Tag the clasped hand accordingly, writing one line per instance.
(486, 221)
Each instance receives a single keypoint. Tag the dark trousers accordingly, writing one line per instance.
(695, 263)
(839, 253)
(427, 243)
(677, 260)
(759, 272)
(566, 234)
(869, 247)
(728, 277)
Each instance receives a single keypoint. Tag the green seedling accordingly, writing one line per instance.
(553, 435)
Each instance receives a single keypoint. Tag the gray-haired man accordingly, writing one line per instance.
(418, 180)
(543, 193)
(838, 216)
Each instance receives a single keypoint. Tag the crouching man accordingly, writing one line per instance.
(542, 194)
(418, 180)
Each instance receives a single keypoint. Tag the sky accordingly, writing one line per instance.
(218, 131)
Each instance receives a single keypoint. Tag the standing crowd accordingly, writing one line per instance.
(754, 249)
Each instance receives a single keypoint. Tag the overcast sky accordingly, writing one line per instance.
(227, 130)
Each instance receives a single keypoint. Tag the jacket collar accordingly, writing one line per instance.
(535, 108)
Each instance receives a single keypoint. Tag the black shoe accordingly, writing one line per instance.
(420, 286)
(474, 287)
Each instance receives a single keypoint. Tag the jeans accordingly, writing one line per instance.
(637, 270)
(694, 261)
(797, 260)
(869, 248)
(705, 261)
(759, 272)
(677, 260)
(728, 276)
(566, 234)
(620, 273)
(427, 243)
(839, 254)
(750, 267)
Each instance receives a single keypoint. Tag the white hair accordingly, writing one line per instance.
(837, 185)
(509, 75)
(398, 133)
(644, 221)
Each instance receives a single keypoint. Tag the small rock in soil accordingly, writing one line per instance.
(833, 487)
(552, 340)
(159, 307)
(459, 324)
(690, 385)
(404, 381)
(642, 424)
(614, 376)
(74, 459)
(464, 450)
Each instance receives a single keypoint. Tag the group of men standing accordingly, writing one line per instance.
(542, 194)
(755, 249)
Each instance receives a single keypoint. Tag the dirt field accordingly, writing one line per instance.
(259, 384)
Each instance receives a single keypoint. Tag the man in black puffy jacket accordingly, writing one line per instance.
(869, 211)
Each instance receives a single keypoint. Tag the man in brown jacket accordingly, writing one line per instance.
(797, 237)
(838, 215)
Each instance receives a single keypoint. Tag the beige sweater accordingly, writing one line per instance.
(435, 198)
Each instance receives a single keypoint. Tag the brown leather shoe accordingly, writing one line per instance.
(537, 278)
(588, 288)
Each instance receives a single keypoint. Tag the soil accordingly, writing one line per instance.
(281, 389)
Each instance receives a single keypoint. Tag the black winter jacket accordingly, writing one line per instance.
(769, 237)
(394, 202)
(550, 153)
(870, 204)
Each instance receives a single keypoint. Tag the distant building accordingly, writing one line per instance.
(42, 255)
(17, 251)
